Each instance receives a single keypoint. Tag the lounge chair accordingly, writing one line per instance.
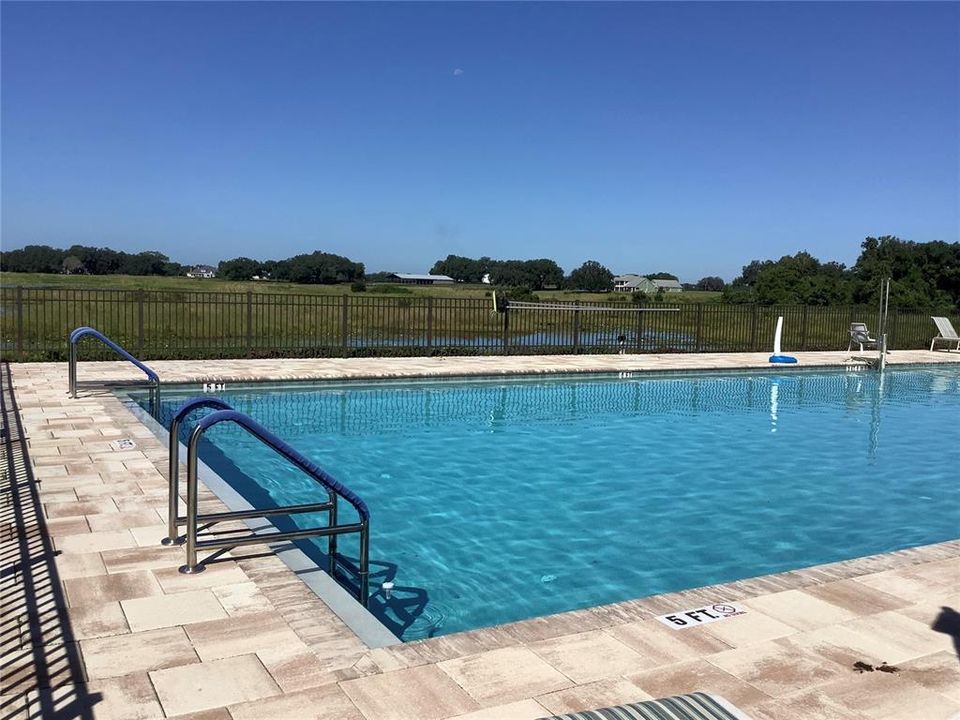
(695, 706)
(946, 334)
(861, 336)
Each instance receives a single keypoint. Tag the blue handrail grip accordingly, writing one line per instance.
(308, 466)
(80, 329)
(196, 403)
(83, 332)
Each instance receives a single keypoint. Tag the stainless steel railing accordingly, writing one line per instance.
(174, 519)
(195, 541)
(81, 332)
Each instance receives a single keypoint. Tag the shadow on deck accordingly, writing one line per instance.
(42, 674)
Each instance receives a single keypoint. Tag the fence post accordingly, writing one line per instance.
(506, 330)
(753, 327)
(140, 295)
(803, 330)
(698, 340)
(430, 321)
(892, 333)
(20, 321)
(576, 327)
(640, 330)
(249, 322)
(345, 323)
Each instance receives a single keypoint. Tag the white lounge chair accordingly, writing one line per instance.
(861, 336)
(946, 334)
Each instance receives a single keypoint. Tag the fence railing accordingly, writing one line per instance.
(159, 324)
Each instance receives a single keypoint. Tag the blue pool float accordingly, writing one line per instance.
(784, 359)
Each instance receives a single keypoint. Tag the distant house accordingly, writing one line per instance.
(632, 283)
(202, 271)
(413, 279)
(668, 285)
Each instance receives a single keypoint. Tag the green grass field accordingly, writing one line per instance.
(185, 284)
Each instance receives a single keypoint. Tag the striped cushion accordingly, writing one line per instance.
(695, 706)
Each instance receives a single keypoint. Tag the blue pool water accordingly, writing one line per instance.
(495, 500)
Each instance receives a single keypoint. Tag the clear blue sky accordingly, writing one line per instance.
(683, 137)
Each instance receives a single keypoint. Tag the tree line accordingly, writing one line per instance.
(923, 275)
(80, 259)
(532, 275)
(316, 268)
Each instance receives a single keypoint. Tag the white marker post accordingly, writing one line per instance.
(777, 357)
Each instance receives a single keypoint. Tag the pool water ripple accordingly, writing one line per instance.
(498, 500)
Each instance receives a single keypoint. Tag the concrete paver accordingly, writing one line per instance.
(503, 675)
(212, 684)
(420, 693)
(590, 656)
(150, 613)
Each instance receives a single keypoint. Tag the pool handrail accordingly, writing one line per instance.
(85, 331)
(173, 461)
(334, 487)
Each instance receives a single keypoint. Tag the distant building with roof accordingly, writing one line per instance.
(668, 285)
(202, 271)
(632, 283)
(414, 279)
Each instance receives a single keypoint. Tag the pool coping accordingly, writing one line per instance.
(125, 391)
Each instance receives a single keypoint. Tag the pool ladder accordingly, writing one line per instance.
(81, 332)
(194, 540)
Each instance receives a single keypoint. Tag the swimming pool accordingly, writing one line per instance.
(495, 500)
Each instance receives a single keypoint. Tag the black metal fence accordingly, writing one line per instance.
(157, 324)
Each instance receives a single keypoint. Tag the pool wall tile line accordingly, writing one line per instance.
(896, 597)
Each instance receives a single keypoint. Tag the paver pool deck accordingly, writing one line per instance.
(97, 621)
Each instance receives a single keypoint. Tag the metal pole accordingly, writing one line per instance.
(886, 308)
(576, 328)
(364, 563)
(191, 566)
(173, 482)
(506, 330)
(430, 321)
(803, 330)
(72, 370)
(140, 295)
(20, 321)
(880, 316)
(698, 341)
(332, 540)
(249, 322)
